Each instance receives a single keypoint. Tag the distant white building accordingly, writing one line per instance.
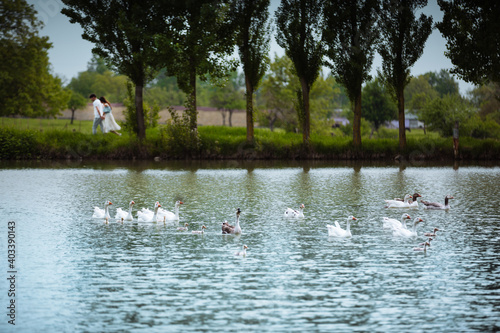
(411, 121)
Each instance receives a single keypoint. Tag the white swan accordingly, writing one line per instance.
(391, 223)
(123, 215)
(145, 215)
(424, 249)
(102, 213)
(229, 229)
(438, 205)
(243, 251)
(199, 231)
(289, 212)
(406, 198)
(412, 202)
(169, 216)
(184, 228)
(400, 232)
(337, 231)
(399, 204)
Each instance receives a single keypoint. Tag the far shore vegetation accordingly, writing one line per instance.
(317, 101)
(42, 139)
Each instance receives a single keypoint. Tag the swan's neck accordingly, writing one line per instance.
(348, 227)
(176, 211)
(155, 214)
(130, 210)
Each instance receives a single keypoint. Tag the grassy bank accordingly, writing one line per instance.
(57, 139)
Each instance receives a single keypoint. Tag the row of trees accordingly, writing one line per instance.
(194, 40)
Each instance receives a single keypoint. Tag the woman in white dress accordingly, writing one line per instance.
(110, 124)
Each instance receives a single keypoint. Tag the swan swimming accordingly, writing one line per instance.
(229, 229)
(337, 231)
(145, 215)
(289, 212)
(123, 215)
(102, 213)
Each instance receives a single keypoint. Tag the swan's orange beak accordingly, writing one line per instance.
(353, 218)
(408, 217)
(133, 203)
(181, 202)
(110, 203)
(420, 220)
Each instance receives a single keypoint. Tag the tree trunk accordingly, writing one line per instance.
(401, 111)
(139, 111)
(250, 134)
(193, 112)
(356, 126)
(72, 116)
(271, 123)
(230, 117)
(306, 125)
(223, 113)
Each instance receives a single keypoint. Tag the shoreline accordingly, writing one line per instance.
(215, 144)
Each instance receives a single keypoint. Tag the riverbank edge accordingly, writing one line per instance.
(59, 145)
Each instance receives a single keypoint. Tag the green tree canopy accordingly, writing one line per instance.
(277, 94)
(440, 114)
(229, 98)
(378, 104)
(76, 101)
(486, 99)
(28, 87)
(351, 34)
(472, 31)
(300, 33)
(254, 33)
(403, 37)
(198, 42)
(418, 92)
(124, 34)
(442, 82)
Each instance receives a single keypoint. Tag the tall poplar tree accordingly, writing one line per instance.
(300, 33)
(198, 42)
(254, 33)
(403, 37)
(123, 33)
(351, 33)
(472, 31)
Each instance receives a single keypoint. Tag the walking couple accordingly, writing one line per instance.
(103, 116)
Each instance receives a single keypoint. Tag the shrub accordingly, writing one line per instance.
(177, 136)
(17, 144)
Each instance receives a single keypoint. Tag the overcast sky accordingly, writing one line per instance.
(70, 53)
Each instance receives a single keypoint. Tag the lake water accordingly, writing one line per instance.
(79, 274)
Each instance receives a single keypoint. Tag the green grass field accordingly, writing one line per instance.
(22, 138)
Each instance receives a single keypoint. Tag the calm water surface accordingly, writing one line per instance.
(78, 274)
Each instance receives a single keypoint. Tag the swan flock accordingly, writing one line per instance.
(399, 227)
